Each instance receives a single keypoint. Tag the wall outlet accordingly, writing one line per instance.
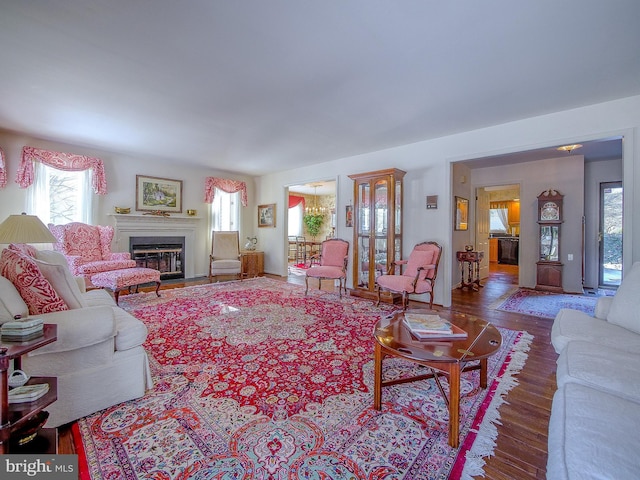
(570, 257)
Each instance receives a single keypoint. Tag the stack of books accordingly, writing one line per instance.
(28, 393)
(22, 330)
(432, 327)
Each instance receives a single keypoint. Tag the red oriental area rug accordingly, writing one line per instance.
(254, 379)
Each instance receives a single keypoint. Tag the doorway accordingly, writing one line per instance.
(309, 204)
(610, 235)
(498, 215)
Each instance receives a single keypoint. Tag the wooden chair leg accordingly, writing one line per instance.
(306, 284)
(378, 292)
(405, 301)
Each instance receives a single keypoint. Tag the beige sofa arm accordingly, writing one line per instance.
(602, 307)
(78, 328)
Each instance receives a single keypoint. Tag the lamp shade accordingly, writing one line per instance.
(25, 229)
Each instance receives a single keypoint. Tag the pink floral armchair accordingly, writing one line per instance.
(416, 275)
(87, 249)
(334, 255)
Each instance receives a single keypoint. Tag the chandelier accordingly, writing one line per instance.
(315, 210)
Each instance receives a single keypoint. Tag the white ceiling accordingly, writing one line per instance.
(254, 86)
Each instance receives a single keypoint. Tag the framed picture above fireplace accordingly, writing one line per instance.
(153, 194)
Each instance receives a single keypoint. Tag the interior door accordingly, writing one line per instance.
(482, 229)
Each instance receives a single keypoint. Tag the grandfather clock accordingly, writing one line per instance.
(549, 266)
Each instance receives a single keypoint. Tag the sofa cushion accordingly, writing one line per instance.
(625, 307)
(592, 434)
(572, 324)
(600, 367)
(11, 303)
(32, 285)
(62, 282)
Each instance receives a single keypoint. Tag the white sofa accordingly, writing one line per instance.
(98, 357)
(594, 429)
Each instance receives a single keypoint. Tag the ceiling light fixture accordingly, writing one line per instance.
(315, 210)
(569, 148)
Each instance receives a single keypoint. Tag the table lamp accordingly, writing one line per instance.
(25, 229)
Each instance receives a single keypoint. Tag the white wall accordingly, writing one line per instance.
(428, 170)
(564, 174)
(428, 167)
(121, 171)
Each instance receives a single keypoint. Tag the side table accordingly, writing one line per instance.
(470, 261)
(252, 263)
(16, 415)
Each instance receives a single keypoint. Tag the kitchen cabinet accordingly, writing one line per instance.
(493, 250)
(377, 233)
(514, 212)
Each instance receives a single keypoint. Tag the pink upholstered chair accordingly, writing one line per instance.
(332, 264)
(87, 249)
(418, 275)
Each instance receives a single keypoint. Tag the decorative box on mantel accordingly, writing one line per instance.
(132, 225)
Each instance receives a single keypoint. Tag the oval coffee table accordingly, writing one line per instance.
(449, 358)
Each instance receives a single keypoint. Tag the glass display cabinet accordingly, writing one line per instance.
(549, 266)
(377, 237)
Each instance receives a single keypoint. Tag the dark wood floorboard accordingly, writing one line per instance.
(521, 451)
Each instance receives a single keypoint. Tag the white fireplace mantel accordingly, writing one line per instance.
(128, 225)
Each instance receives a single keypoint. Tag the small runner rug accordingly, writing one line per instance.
(254, 379)
(545, 304)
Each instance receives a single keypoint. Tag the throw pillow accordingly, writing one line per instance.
(34, 288)
(62, 282)
(625, 307)
(24, 248)
(417, 259)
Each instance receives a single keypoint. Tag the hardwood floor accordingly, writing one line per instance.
(521, 451)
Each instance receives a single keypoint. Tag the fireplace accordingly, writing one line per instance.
(165, 254)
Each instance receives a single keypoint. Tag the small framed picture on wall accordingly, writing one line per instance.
(267, 215)
(349, 216)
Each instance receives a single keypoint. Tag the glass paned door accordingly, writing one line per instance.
(610, 237)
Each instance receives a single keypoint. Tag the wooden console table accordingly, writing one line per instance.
(470, 264)
(17, 415)
(252, 263)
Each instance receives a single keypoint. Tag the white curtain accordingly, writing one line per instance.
(295, 220)
(225, 211)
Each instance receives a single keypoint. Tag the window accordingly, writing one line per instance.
(59, 196)
(498, 220)
(225, 211)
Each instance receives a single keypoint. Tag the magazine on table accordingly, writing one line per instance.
(430, 327)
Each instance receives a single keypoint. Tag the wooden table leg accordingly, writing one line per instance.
(483, 373)
(454, 405)
(377, 377)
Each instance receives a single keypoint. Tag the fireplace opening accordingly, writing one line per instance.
(165, 254)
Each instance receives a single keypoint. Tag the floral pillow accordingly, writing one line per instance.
(34, 288)
(29, 250)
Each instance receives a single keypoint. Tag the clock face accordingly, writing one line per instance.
(550, 211)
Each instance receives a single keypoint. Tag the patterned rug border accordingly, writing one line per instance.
(481, 440)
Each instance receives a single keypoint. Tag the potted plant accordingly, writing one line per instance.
(313, 222)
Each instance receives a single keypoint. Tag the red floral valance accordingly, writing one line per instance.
(226, 185)
(3, 171)
(295, 200)
(61, 161)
